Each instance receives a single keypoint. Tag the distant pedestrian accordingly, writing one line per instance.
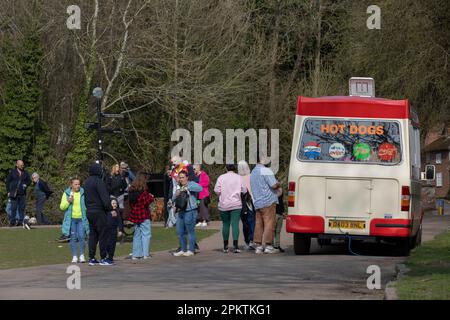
(264, 190)
(280, 215)
(75, 220)
(248, 209)
(17, 183)
(41, 194)
(203, 196)
(115, 225)
(117, 185)
(98, 205)
(140, 214)
(229, 187)
(186, 206)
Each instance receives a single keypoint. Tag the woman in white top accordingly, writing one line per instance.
(248, 211)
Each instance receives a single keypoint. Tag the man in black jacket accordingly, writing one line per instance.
(41, 194)
(17, 182)
(98, 204)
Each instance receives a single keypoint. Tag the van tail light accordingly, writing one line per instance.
(291, 194)
(406, 197)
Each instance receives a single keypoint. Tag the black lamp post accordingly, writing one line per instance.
(98, 94)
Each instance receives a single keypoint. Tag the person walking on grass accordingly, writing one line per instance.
(229, 187)
(140, 214)
(264, 190)
(17, 183)
(41, 194)
(75, 220)
(186, 206)
(98, 204)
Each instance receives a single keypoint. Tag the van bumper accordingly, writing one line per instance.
(390, 227)
(305, 224)
(378, 227)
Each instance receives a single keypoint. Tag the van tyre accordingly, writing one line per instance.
(403, 246)
(302, 244)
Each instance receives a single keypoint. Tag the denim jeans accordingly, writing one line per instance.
(11, 217)
(77, 232)
(141, 239)
(41, 219)
(186, 221)
(18, 204)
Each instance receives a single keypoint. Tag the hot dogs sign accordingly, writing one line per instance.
(351, 129)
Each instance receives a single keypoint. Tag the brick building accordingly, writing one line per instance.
(436, 151)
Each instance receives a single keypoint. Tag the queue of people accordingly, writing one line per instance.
(95, 212)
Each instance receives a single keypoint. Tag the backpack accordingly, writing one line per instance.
(182, 201)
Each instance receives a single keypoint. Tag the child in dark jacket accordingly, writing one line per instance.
(280, 213)
(115, 223)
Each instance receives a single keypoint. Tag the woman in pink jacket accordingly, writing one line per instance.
(203, 196)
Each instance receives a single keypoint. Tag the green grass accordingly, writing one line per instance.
(429, 275)
(25, 248)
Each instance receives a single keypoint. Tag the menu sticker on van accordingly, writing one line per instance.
(361, 151)
(312, 150)
(387, 151)
(337, 150)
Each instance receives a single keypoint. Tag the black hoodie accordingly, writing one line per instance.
(95, 192)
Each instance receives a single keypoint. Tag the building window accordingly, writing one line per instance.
(438, 158)
(438, 179)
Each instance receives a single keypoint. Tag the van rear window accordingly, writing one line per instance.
(361, 141)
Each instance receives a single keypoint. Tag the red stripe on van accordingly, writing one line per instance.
(358, 107)
(305, 224)
(390, 227)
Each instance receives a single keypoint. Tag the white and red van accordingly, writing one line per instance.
(355, 171)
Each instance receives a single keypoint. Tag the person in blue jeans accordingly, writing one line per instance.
(187, 214)
(75, 219)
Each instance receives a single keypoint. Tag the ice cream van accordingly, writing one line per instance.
(355, 170)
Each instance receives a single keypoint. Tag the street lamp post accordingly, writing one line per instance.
(98, 94)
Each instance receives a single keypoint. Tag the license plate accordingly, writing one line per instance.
(347, 224)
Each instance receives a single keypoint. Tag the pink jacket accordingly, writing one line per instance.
(204, 182)
(229, 187)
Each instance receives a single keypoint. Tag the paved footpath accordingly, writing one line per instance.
(328, 273)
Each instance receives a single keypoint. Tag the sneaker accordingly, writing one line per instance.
(74, 259)
(147, 257)
(188, 253)
(199, 224)
(270, 249)
(179, 253)
(252, 245)
(93, 262)
(280, 249)
(26, 226)
(204, 224)
(236, 250)
(246, 247)
(225, 250)
(82, 259)
(136, 258)
(259, 250)
(105, 262)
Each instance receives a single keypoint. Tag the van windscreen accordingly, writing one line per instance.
(357, 141)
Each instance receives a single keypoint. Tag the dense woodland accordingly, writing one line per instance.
(229, 63)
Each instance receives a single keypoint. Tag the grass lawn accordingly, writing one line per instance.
(429, 277)
(25, 248)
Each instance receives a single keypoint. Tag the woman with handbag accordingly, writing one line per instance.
(186, 206)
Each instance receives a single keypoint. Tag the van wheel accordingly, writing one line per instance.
(302, 244)
(323, 242)
(403, 246)
(418, 237)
